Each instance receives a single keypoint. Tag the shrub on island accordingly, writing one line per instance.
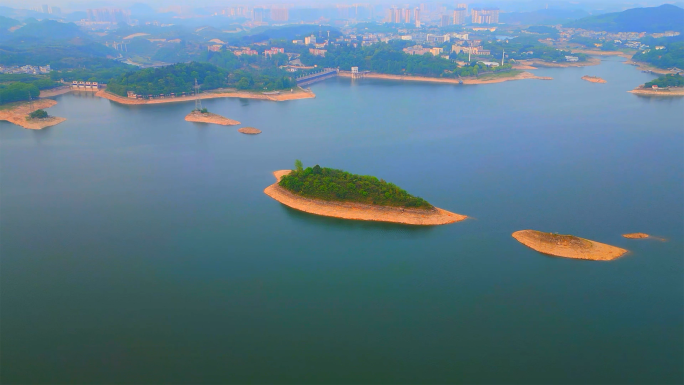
(38, 114)
(336, 185)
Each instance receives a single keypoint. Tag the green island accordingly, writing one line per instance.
(336, 185)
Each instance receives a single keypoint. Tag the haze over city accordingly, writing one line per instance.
(429, 192)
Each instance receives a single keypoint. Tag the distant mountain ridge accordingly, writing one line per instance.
(666, 17)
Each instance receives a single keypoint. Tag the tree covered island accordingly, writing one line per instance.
(336, 185)
(336, 193)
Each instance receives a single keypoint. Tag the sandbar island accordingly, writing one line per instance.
(249, 130)
(205, 116)
(355, 197)
(593, 79)
(567, 246)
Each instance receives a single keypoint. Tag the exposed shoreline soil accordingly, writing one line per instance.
(55, 91)
(626, 55)
(198, 117)
(567, 246)
(249, 130)
(593, 79)
(357, 211)
(485, 80)
(298, 93)
(636, 235)
(641, 66)
(679, 91)
(592, 61)
(17, 115)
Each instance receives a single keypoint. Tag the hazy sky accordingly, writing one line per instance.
(83, 4)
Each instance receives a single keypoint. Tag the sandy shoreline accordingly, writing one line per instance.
(283, 96)
(592, 61)
(485, 80)
(357, 211)
(603, 53)
(661, 92)
(641, 66)
(17, 115)
(198, 117)
(593, 79)
(55, 91)
(567, 246)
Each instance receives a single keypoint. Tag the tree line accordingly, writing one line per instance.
(676, 80)
(24, 90)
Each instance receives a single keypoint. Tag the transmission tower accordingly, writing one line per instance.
(198, 102)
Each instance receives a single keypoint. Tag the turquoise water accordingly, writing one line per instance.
(139, 248)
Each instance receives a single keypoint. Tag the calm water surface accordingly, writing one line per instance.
(139, 248)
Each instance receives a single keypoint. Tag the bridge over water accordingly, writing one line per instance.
(321, 75)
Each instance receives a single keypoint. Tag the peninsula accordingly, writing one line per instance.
(339, 194)
(666, 85)
(19, 114)
(207, 117)
(294, 94)
(593, 79)
(567, 246)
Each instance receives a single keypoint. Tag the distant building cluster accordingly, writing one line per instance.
(27, 69)
(485, 15)
(111, 15)
(48, 9)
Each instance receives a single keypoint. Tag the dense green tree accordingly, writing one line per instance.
(676, 80)
(38, 114)
(337, 185)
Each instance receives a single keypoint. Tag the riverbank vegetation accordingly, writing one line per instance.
(337, 185)
(28, 88)
(671, 55)
(180, 78)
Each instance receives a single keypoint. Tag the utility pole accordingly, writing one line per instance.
(198, 102)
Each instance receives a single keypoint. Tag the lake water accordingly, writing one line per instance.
(139, 248)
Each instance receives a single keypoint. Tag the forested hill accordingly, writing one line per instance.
(337, 185)
(175, 78)
(181, 77)
(666, 17)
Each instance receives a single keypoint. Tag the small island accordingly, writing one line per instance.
(31, 115)
(567, 246)
(336, 193)
(636, 235)
(204, 116)
(249, 130)
(593, 79)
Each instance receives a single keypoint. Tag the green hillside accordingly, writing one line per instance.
(656, 19)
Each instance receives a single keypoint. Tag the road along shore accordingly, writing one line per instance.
(297, 93)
